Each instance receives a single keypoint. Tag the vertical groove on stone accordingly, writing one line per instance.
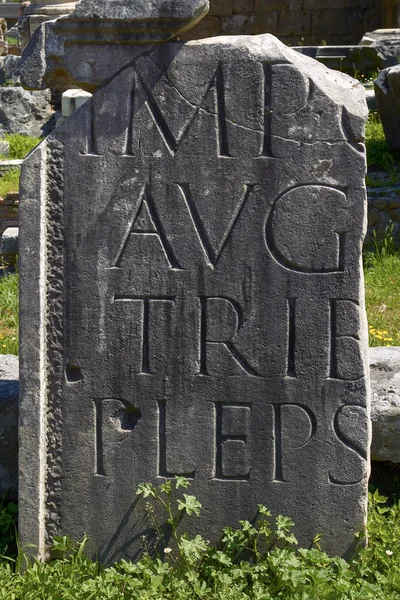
(54, 325)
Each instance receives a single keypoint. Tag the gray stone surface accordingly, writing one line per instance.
(380, 35)
(385, 403)
(25, 112)
(192, 302)
(10, 70)
(387, 93)
(371, 100)
(9, 241)
(98, 38)
(9, 426)
(186, 11)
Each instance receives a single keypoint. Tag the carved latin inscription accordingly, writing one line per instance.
(152, 96)
(147, 224)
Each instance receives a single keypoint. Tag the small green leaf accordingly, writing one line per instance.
(181, 482)
(146, 490)
(190, 505)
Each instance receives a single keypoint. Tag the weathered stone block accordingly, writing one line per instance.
(88, 46)
(242, 6)
(380, 35)
(263, 6)
(208, 27)
(9, 390)
(201, 311)
(221, 7)
(323, 5)
(9, 69)
(385, 403)
(25, 112)
(250, 24)
(71, 100)
(9, 241)
(387, 94)
(294, 22)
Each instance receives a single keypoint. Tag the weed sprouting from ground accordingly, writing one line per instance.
(259, 560)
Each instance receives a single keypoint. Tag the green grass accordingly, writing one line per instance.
(9, 314)
(9, 182)
(20, 145)
(380, 156)
(382, 294)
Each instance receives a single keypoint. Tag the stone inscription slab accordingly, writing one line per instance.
(192, 299)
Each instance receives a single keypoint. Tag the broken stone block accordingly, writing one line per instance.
(385, 403)
(25, 112)
(99, 38)
(9, 241)
(387, 93)
(9, 391)
(192, 299)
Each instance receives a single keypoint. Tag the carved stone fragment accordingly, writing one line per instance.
(192, 299)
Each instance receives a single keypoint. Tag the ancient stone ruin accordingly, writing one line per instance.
(192, 295)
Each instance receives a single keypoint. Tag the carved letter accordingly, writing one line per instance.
(291, 362)
(267, 146)
(213, 254)
(173, 141)
(351, 426)
(346, 360)
(146, 303)
(319, 213)
(300, 415)
(232, 430)
(220, 321)
(122, 412)
(162, 446)
(146, 222)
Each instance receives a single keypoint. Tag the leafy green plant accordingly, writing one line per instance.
(258, 560)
